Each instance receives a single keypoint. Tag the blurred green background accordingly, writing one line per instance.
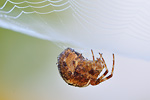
(24, 61)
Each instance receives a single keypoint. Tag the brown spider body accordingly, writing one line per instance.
(80, 72)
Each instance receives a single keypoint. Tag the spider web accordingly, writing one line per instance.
(115, 26)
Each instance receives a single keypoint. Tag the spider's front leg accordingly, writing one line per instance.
(93, 55)
(104, 64)
(102, 79)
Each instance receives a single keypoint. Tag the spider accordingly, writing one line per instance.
(80, 72)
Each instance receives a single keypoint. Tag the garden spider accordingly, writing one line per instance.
(80, 72)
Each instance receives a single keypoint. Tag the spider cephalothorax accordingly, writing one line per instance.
(80, 72)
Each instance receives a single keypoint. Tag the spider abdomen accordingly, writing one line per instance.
(70, 65)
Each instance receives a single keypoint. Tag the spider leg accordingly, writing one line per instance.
(102, 79)
(103, 61)
(104, 64)
(93, 55)
(108, 77)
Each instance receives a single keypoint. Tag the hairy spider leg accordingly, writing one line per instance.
(102, 79)
(108, 77)
(103, 61)
(93, 55)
